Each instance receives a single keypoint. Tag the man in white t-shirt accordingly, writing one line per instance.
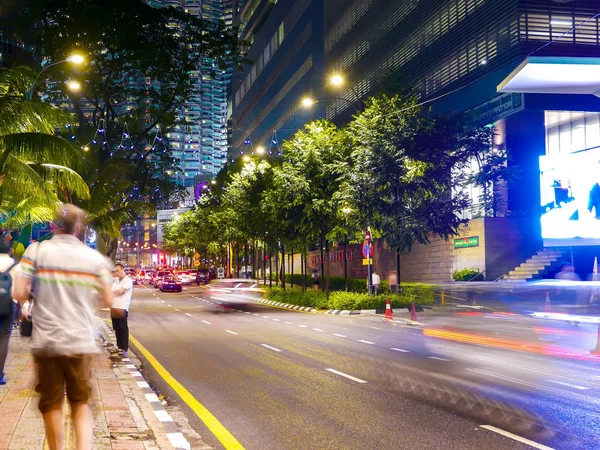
(122, 289)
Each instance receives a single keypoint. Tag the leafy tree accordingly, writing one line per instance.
(37, 167)
(137, 80)
(406, 176)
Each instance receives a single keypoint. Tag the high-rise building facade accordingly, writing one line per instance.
(201, 145)
(459, 56)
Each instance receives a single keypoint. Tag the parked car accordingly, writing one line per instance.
(203, 276)
(170, 283)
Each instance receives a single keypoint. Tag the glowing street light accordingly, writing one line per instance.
(74, 58)
(213, 181)
(307, 102)
(260, 150)
(337, 80)
(246, 158)
(73, 85)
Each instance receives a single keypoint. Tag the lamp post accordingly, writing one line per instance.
(338, 80)
(307, 102)
(73, 85)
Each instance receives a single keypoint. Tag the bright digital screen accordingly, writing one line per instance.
(570, 196)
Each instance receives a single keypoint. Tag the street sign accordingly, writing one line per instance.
(196, 263)
(367, 250)
(221, 272)
(196, 255)
(367, 236)
(366, 262)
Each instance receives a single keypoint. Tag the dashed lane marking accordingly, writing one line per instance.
(288, 323)
(206, 322)
(574, 386)
(345, 375)
(188, 314)
(317, 329)
(438, 358)
(401, 350)
(231, 332)
(271, 348)
(516, 437)
(178, 310)
(302, 326)
(366, 342)
(339, 335)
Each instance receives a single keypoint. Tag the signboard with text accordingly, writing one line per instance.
(498, 108)
(466, 242)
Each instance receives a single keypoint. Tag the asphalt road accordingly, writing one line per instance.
(279, 379)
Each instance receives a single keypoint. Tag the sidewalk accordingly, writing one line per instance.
(123, 416)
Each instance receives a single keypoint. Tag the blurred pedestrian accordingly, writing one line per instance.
(122, 289)
(577, 295)
(7, 304)
(315, 278)
(67, 274)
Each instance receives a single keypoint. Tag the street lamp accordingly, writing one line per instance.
(338, 80)
(73, 85)
(246, 158)
(75, 58)
(260, 150)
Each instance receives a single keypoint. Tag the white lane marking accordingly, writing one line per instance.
(256, 314)
(516, 438)
(366, 342)
(152, 398)
(130, 366)
(178, 440)
(288, 323)
(266, 317)
(340, 335)
(302, 326)
(188, 314)
(163, 416)
(438, 359)
(401, 350)
(169, 306)
(126, 359)
(248, 312)
(342, 374)
(277, 320)
(177, 310)
(317, 329)
(562, 383)
(271, 348)
(231, 332)
(206, 322)
(162, 301)
(143, 384)
(136, 374)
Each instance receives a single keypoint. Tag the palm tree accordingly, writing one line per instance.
(38, 168)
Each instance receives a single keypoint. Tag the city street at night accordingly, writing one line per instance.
(283, 379)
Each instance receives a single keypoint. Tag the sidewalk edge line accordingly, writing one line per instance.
(211, 422)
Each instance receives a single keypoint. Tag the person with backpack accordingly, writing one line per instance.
(7, 304)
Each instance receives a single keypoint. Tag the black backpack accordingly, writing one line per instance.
(6, 301)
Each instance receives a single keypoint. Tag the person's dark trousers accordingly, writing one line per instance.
(6, 324)
(121, 332)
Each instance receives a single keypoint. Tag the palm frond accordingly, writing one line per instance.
(42, 148)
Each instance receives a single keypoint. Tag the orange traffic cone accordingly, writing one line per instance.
(596, 351)
(388, 311)
(547, 305)
(413, 312)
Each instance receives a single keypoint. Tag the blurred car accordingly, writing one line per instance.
(203, 276)
(170, 283)
(131, 273)
(186, 277)
(158, 277)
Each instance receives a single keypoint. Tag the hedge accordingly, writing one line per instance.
(342, 300)
(335, 283)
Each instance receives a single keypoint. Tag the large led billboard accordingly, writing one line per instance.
(570, 198)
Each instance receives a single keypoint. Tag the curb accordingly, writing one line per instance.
(285, 305)
(173, 434)
(357, 312)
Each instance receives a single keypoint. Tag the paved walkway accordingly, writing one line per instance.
(123, 417)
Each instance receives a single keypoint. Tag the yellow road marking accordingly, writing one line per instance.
(211, 422)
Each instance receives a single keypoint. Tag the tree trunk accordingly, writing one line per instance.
(302, 274)
(270, 268)
(283, 266)
(322, 265)
(277, 265)
(346, 265)
(292, 270)
(264, 254)
(328, 267)
(237, 260)
(398, 271)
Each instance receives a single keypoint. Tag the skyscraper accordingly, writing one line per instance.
(201, 146)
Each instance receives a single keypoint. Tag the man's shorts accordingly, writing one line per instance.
(57, 372)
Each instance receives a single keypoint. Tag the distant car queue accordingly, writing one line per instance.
(170, 279)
